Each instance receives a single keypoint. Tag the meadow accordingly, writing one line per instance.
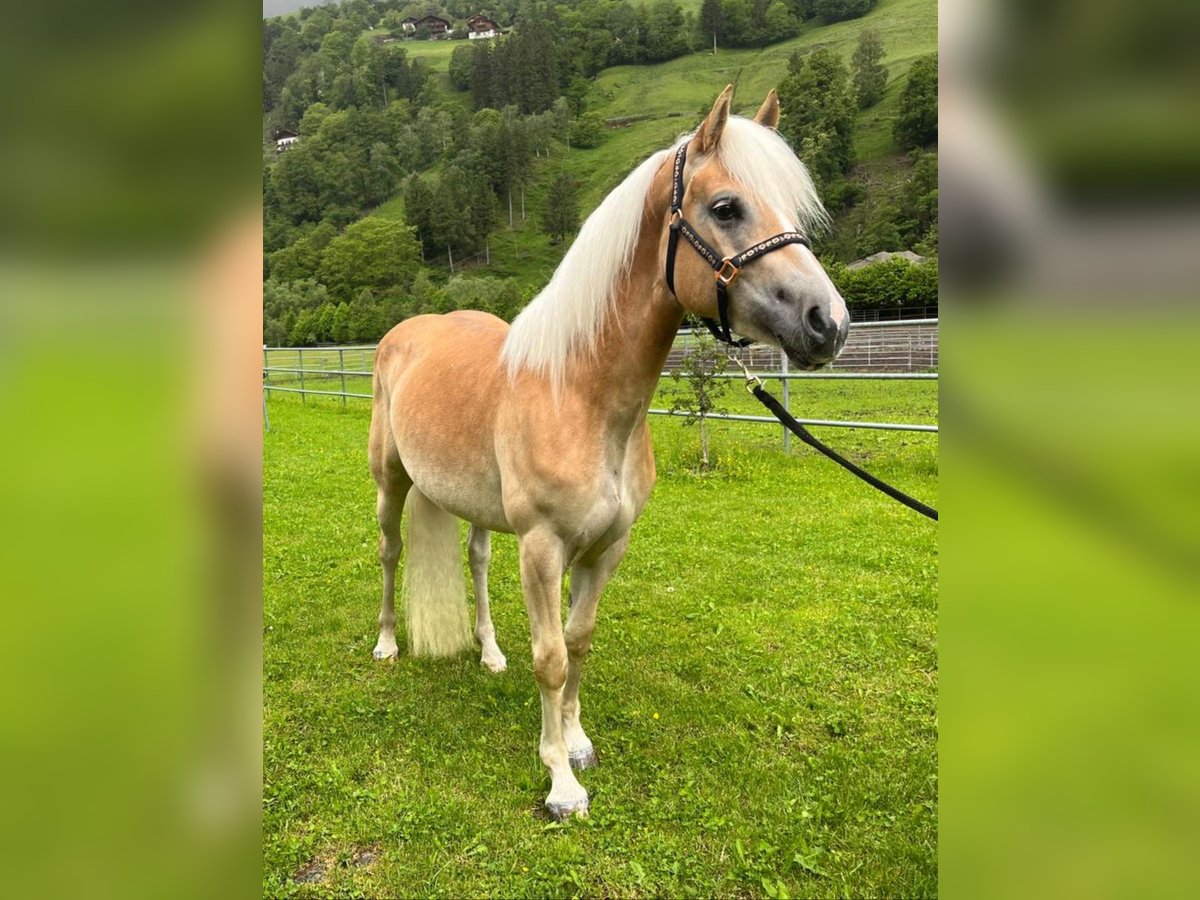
(762, 690)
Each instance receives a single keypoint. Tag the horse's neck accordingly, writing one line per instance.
(633, 344)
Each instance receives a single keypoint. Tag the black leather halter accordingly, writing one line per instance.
(726, 268)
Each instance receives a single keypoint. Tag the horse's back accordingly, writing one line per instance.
(437, 381)
(465, 339)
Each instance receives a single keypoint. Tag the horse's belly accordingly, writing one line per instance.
(468, 494)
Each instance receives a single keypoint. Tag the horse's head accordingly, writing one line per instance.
(743, 190)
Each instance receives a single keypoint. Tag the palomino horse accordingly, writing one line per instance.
(540, 429)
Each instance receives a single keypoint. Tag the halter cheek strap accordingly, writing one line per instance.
(726, 269)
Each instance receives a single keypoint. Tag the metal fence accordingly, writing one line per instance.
(875, 351)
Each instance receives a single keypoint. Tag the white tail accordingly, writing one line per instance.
(435, 594)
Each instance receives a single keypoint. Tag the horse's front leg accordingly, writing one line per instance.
(587, 582)
(542, 566)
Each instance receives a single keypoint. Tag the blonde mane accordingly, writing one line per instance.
(569, 313)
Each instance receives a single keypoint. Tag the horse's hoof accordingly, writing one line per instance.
(583, 759)
(386, 652)
(560, 812)
(495, 666)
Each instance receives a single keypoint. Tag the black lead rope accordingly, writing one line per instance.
(807, 436)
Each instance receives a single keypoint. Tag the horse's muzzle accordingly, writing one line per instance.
(821, 335)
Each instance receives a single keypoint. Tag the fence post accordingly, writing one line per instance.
(300, 366)
(787, 401)
(342, 369)
(266, 381)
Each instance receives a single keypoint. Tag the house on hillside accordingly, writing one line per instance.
(480, 26)
(285, 140)
(409, 25)
(437, 27)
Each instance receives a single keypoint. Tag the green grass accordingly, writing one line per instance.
(762, 690)
(435, 53)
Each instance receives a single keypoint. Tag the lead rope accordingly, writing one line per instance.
(755, 386)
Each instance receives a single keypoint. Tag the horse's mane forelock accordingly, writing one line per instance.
(569, 313)
(760, 159)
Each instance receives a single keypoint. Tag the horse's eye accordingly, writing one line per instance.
(725, 210)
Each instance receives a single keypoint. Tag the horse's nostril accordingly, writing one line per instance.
(821, 328)
(818, 321)
(781, 295)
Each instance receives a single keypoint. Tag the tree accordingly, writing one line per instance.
(461, 62)
(665, 35)
(710, 20)
(697, 386)
(838, 10)
(372, 252)
(382, 173)
(453, 213)
(917, 123)
(314, 116)
(418, 210)
(588, 130)
(870, 77)
(513, 138)
(284, 304)
(562, 118)
(818, 112)
(916, 218)
(302, 257)
(561, 214)
(780, 23)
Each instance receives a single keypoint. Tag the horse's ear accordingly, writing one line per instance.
(710, 129)
(768, 113)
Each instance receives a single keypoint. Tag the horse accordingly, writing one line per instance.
(540, 429)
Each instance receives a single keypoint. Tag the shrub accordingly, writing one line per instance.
(588, 130)
(890, 284)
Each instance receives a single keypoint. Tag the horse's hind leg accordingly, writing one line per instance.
(388, 509)
(479, 552)
(392, 484)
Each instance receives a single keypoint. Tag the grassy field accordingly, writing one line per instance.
(762, 689)
(435, 53)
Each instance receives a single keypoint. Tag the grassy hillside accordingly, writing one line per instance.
(435, 53)
(673, 96)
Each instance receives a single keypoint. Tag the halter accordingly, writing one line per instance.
(726, 269)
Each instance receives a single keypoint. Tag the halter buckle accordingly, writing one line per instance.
(676, 218)
(728, 271)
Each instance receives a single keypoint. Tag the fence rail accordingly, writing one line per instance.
(878, 347)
